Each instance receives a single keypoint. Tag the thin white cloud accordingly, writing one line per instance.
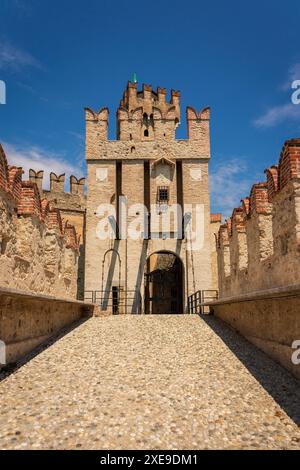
(77, 135)
(278, 114)
(32, 91)
(13, 58)
(293, 74)
(229, 183)
(38, 159)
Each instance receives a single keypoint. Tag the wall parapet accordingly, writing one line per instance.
(30, 201)
(28, 320)
(57, 183)
(270, 319)
(37, 252)
(261, 234)
(216, 218)
(27, 196)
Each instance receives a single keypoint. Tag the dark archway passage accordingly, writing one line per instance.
(164, 284)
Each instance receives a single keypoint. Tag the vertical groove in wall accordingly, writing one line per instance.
(147, 192)
(179, 189)
(118, 194)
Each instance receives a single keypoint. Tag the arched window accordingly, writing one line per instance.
(145, 119)
(146, 133)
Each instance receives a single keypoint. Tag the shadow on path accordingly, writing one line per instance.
(277, 381)
(11, 368)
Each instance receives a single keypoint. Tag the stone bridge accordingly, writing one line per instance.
(149, 382)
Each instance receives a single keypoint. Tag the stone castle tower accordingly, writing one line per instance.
(145, 178)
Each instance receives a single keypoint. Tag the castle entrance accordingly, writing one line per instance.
(164, 284)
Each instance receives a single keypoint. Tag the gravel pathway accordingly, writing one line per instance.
(150, 382)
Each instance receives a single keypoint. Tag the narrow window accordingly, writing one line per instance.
(145, 119)
(162, 194)
(146, 133)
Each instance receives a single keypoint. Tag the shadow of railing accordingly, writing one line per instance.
(277, 381)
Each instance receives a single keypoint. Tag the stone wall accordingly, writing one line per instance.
(136, 166)
(269, 319)
(27, 320)
(258, 247)
(38, 251)
(72, 208)
(258, 261)
(215, 224)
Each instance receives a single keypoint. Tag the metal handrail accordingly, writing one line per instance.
(197, 300)
(122, 304)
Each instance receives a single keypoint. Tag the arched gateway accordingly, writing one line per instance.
(164, 283)
(148, 193)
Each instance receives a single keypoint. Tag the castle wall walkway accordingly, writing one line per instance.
(158, 382)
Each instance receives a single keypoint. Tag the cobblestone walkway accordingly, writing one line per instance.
(150, 382)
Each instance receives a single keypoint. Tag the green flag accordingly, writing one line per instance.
(134, 78)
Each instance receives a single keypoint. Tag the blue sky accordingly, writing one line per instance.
(240, 58)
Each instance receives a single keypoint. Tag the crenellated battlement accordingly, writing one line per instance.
(289, 163)
(67, 206)
(30, 200)
(37, 178)
(272, 181)
(77, 185)
(97, 123)
(57, 183)
(39, 252)
(198, 124)
(259, 199)
(26, 195)
(54, 221)
(147, 98)
(146, 115)
(258, 246)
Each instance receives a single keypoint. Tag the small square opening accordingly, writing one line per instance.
(163, 195)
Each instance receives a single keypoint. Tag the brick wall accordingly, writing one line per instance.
(148, 109)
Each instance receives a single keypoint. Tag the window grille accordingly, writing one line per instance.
(162, 195)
